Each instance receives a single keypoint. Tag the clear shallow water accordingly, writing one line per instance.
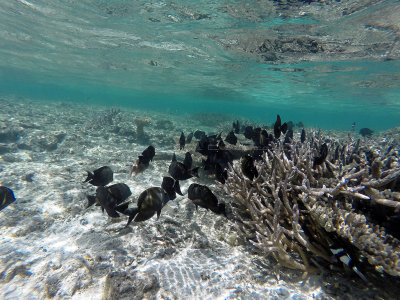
(191, 56)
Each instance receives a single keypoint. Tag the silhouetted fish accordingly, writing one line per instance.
(109, 197)
(202, 196)
(106, 201)
(6, 197)
(149, 153)
(199, 134)
(288, 136)
(236, 127)
(323, 153)
(303, 136)
(119, 191)
(366, 132)
(150, 202)
(142, 163)
(256, 136)
(248, 132)
(171, 186)
(231, 138)
(353, 126)
(188, 160)
(264, 138)
(248, 168)
(182, 141)
(189, 138)
(178, 170)
(100, 177)
(278, 127)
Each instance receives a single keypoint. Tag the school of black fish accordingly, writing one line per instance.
(113, 199)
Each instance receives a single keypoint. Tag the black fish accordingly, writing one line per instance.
(366, 132)
(188, 160)
(288, 136)
(231, 138)
(353, 126)
(248, 167)
(182, 141)
(143, 161)
(248, 132)
(213, 139)
(208, 144)
(109, 197)
(149, 153)
(256, 136)
(264, 138)
(189, 138)
(150, 202)
(106, 201)
(6, 197)
(236, 127)
(278, 127)
(120, 192)
(199, 134)
(178, 170)
(202, 196)
(100, 177)
(303, 136)
(323, 153)
(171, 186)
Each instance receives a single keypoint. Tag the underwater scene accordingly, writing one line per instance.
(199, 149)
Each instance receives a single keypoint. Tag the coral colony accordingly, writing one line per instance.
(306, 205)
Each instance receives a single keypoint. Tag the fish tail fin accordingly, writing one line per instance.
(91, 200)
(89, 176)
(177, 188)
(361, 275)
(122, 208)
(132, 214)
(195, 172)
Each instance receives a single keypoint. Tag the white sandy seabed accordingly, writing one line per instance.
(52, 246)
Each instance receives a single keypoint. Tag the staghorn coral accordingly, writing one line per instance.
(294, 211)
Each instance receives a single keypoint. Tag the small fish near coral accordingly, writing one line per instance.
(279, 128)
(171, 186)
(202, 196)
(182, 141)
(248, 168)
(100, 177)
(178, 170)
(236, 127)
(6, 197)
(366, 132)
(150, 202)
(110, 197)
(143, 161)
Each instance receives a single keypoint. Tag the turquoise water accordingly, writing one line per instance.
(174, 56)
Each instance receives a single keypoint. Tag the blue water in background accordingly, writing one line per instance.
(109, 53)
